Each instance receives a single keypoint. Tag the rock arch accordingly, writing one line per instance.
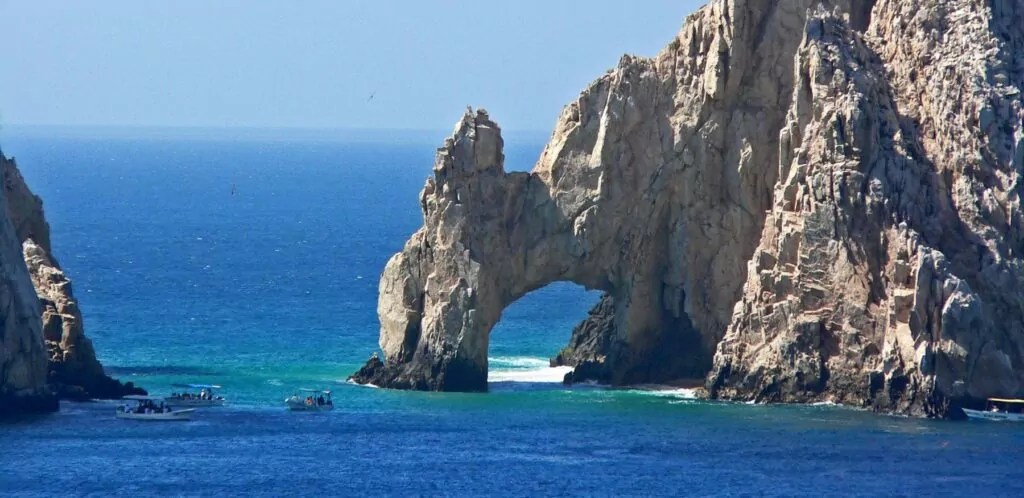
(602, 209)
(653, 188)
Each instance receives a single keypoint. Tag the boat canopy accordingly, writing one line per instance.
(137, 397)
(308, 390)
(1007, 400)
(197, 386)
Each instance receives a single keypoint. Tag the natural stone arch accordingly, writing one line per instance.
(653, 188)
(490, 237)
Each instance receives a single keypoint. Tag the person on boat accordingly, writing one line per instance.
(320, 400)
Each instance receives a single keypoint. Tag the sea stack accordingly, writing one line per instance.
(796, 201)
(23, 368)
(70, 369)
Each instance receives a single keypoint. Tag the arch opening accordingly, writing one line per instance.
(534, 330)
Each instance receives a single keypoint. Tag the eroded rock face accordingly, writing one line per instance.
(809, 200)
(23, 386)
(889, 271)
(72, 371)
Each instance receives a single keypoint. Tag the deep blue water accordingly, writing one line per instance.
(274, 288)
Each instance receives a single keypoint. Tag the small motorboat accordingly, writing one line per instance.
(310, 400)
(151, 408)
(999, 410)
(206, 396)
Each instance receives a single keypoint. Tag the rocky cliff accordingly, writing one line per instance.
(23, 386)
(72, 369)
(797, 200)
(889, 272)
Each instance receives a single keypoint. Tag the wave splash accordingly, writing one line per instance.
(524, 369)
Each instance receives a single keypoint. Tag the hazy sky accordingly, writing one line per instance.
(314, 63)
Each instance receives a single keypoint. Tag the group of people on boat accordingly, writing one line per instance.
(204, 395)
(147, 407)
(318, 401)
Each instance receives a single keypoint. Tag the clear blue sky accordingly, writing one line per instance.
(314, 63)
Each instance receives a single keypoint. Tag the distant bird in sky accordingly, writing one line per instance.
(232, 189)
(371, 96)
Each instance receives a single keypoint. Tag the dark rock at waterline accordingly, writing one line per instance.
(369, 373)
(74, 385)
(456, 376)
(591, 338)
(588, 371)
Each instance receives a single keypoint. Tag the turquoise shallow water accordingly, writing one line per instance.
(274, 288)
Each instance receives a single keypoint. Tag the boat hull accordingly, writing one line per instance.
(174, 416)
(994, 416)
(301, 406)
(307, 408)
(194, 403)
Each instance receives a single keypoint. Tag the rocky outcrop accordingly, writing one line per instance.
(23, 386)
(590, 345)
(73, 371)
(800, 200)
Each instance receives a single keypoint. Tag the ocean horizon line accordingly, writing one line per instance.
(103, 131)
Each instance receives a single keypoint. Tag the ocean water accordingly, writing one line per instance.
(273, 288)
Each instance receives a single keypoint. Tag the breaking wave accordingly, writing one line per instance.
(524, 369)
(679, 393)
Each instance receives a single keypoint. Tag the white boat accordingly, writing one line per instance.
(151, 408)
(999, 410)
(310, 400)
(207, 396)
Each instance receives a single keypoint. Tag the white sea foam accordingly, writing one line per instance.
(354, 383)
(665, 391)
(545, 375)
(517, 362)
(524, 369)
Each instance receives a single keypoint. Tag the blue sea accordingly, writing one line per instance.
(250, 259)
